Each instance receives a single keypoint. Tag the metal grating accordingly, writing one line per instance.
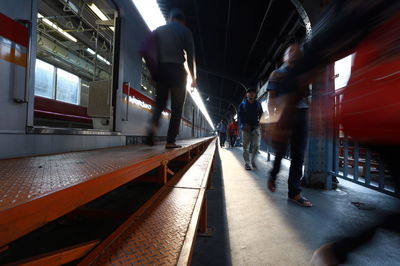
(26, 179)
(156, 237)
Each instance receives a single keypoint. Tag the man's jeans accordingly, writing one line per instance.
(172, 79)
(222, 139)
(298, 142)
(252, 137)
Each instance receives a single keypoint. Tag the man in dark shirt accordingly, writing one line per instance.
(221, 127)
(298, 128)
(249, 114)
(175, 46)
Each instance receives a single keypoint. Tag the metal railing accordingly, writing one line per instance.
(355, 162)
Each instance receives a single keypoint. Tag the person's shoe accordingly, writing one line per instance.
(247, 166)
(271, 184)
(324, 256)
(301, 201)
(150, 138)
(172, 146)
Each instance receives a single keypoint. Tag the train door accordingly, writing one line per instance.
(16, 22)
(74, 64)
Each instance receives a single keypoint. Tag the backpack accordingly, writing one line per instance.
(149, 51)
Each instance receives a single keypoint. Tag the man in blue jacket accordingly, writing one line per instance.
(249, 114)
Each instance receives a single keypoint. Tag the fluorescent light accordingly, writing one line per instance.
(54, 26)
(98, 12)
(90, 51)
(98, 56)
(103, 59)
(199, 102)
(150, 12)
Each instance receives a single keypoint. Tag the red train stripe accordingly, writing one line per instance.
(146, 99)
(13, 30)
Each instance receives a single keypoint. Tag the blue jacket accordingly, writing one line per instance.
(249, 114)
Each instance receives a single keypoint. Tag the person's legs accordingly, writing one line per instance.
(161, 100)
(223, 139)
(178, 95)
(279, 153)
(298, 142)
(246, 143)
(255, 141)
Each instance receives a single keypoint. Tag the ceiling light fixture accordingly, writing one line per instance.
(194, 93)
(54, 26)
(98, 56)
(150, 12)
(98, 12)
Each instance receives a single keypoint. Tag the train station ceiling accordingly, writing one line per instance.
(237, 42)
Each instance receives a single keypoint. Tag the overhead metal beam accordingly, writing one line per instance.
(224, 77)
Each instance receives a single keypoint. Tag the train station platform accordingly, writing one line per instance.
(253, 226)
(37, 190)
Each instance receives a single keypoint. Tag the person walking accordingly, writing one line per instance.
(297, 128)
(233, 133)
(175, 45)
(249, 114)
(221, 127)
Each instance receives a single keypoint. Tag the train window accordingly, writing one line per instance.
(343, 71)
(44, 81)
(67, 87)
(147, 84)
(76, 38)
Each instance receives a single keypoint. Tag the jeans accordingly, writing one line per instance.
(222, 139)
(172, 79)
(252, 137)
(298, 142)
(232, 140)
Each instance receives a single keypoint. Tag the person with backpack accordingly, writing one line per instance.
(249, 114)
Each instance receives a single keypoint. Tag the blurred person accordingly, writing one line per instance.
(297, 138)
(249, 114)
(175, 45)
(221, 128)
(371, 100)
(233, 132)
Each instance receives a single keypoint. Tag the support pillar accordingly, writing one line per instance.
(319, 154)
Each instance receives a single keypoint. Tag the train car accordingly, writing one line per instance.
(74, 80)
